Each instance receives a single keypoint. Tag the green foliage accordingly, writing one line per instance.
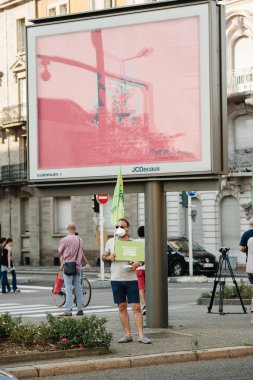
(8, 324)
(85, 332)
(246, 291)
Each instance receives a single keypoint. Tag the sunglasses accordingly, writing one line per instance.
(121, 227)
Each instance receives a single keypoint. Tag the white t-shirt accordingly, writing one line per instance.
(249, 266)
(118, 273)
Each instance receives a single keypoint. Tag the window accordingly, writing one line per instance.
(60, 7)
(21, 35)
(52, 12)
(243, 53)
(25, 217)
(243, 128)
(63, 9)
(230, 222)
(62, 214)
(101, 4)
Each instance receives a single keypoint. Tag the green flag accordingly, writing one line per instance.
(117, 211)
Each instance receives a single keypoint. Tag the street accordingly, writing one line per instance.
(35, 300)
(191, 328)
(227, 369)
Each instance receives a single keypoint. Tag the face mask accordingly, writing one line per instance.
(120, 232)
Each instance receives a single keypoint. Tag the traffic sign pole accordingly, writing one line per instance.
(191, 194)
(102, 200)
(102, 264)
(190, 234)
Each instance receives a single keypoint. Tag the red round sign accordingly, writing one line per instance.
(102, 198)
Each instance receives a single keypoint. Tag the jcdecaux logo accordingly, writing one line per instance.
(142, 169)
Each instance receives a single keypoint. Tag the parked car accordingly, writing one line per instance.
(5, 375)
(178, 258)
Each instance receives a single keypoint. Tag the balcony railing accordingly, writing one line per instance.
(240, 162)
(13, 173)
(14, 114)
(240, 81)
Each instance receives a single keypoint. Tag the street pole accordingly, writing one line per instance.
(102, 265)
(190, 234)
(155, 255)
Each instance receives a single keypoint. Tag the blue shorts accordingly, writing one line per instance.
(125, 291)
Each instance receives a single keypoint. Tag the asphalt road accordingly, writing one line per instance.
(227, 369)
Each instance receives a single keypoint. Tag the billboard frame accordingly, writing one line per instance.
(218, 133)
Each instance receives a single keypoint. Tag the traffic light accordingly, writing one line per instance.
(183, 199)
(95, 204)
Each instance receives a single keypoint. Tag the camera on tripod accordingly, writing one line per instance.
(224, 251)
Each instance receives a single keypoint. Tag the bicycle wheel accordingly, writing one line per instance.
(86, 292)
(59, 298)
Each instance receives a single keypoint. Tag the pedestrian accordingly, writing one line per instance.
(243, 245)
(140, 272)
(124, 285)
(2, 244)
(7, 264)
(71, 250)
(249, 267)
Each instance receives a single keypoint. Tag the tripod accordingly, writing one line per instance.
(218, 280)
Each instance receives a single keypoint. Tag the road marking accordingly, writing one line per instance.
(40, 310)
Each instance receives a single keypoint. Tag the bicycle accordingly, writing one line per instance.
(60, 298)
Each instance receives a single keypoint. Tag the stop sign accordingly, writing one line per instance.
(102, 198)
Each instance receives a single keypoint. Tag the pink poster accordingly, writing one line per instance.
(128, 95)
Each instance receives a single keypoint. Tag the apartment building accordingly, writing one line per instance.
(37, 224)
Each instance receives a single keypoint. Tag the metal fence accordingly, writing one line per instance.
(240, 162)
(13, 173)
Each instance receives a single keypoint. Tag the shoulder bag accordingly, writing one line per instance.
(70, 268)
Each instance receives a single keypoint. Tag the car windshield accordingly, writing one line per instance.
(183, 246)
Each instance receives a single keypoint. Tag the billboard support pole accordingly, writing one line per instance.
(155, 255)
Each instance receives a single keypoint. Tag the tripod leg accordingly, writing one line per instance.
(216, 281)
(236, 286)
(221, 298)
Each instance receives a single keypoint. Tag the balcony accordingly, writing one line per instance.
(241, 162)
(14, 115)
(16, 173)
(240, 82)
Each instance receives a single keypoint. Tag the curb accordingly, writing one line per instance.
(225, 301)
(57, 369)
(188, 279)
(52, 355)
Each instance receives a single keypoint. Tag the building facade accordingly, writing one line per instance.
(37, 224)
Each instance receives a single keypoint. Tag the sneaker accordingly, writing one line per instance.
(16, 290)
(144, 340)
(143, 311)
(65, 314)
(80, 312)
(125, 339)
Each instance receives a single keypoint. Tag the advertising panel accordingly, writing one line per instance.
(129, 89)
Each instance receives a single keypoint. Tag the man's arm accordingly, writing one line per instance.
(242, 248)
(107, 257)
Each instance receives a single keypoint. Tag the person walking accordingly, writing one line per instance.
(124, 285)
(140, 272)
(245, 237)
(71, 250)
(243, 246)
(2, 244)
(7, 264)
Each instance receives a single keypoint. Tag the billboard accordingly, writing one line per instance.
(129, 89)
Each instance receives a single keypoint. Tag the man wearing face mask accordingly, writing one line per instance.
(124, 285)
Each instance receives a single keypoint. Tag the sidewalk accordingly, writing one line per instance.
(193, 334)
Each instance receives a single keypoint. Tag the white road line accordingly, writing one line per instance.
(36, 287)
